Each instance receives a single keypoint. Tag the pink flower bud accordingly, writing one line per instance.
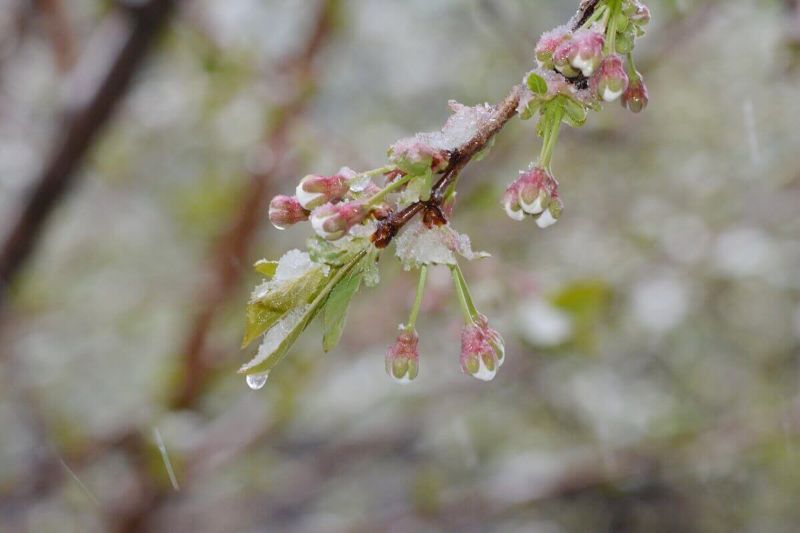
(482, 350)
(285, 211)
(635, 98)
(535, 192)
(314, 190)
(610, 80)
(333, 221)
(402, 357)
(638, 13)
(585, 51)
(561, 58)
(547, 45)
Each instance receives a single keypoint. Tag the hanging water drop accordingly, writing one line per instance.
(256, 381)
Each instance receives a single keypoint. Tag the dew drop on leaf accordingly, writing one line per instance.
(256, 381)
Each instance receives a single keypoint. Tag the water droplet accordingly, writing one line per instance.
(256, 381)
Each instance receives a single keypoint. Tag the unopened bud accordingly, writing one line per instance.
(333, 221)
(610, 80)
(635, 97)
(547, 45)
(530, 194)
(482, 350)
(402, 357)
(314, 190)
(285, 211)
(585, 51)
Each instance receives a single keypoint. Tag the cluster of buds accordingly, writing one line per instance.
(402, 357)
(482, 349)
(594, 52)
(534, 193)
(329, 202)
(580, 53)
(580, 66)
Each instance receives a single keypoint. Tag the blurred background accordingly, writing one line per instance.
(652, 381)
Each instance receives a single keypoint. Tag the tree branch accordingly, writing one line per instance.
(78, 135)
(460, 158)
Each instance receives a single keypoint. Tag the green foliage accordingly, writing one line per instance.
(536, 83)
(334, 314)
(279, 299)
(309, 292)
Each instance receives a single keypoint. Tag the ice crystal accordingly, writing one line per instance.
(420, 245)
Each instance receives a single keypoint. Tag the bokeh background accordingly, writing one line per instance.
(653, 335)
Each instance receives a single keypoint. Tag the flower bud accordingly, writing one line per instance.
(402, 357)
(547, 45)
(482, 350)
(285, 211)
(638, 13)
(635, 97)
(333, 221)
(610, 80)
(561, 58)
(531, 193)
(585, 51)
(314, 190)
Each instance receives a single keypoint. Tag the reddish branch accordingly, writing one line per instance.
(77, 136)
(460, 158)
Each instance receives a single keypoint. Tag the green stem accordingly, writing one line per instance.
(412, 318)
(553, 116)
(599, 13)
(464, 296)
(374, 172)
(630, 67)
(396, 184)
(611, 30)
(462, 299)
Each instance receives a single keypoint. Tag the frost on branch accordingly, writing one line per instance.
(577, 68)
(433, 148)
(419, 245)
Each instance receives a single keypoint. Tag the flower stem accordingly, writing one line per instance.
(599, 13)
(374, 172)
(396, 184)
(630, 67)
(553, 116)
(412, 318)
(464, 296)
(611, 30)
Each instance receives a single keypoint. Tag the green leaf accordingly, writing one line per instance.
(536, 83)
(426, 185)
(281, 297)
(574, 113)
(266, 268)
(334, 314)
(333, 253)
(263, 363)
